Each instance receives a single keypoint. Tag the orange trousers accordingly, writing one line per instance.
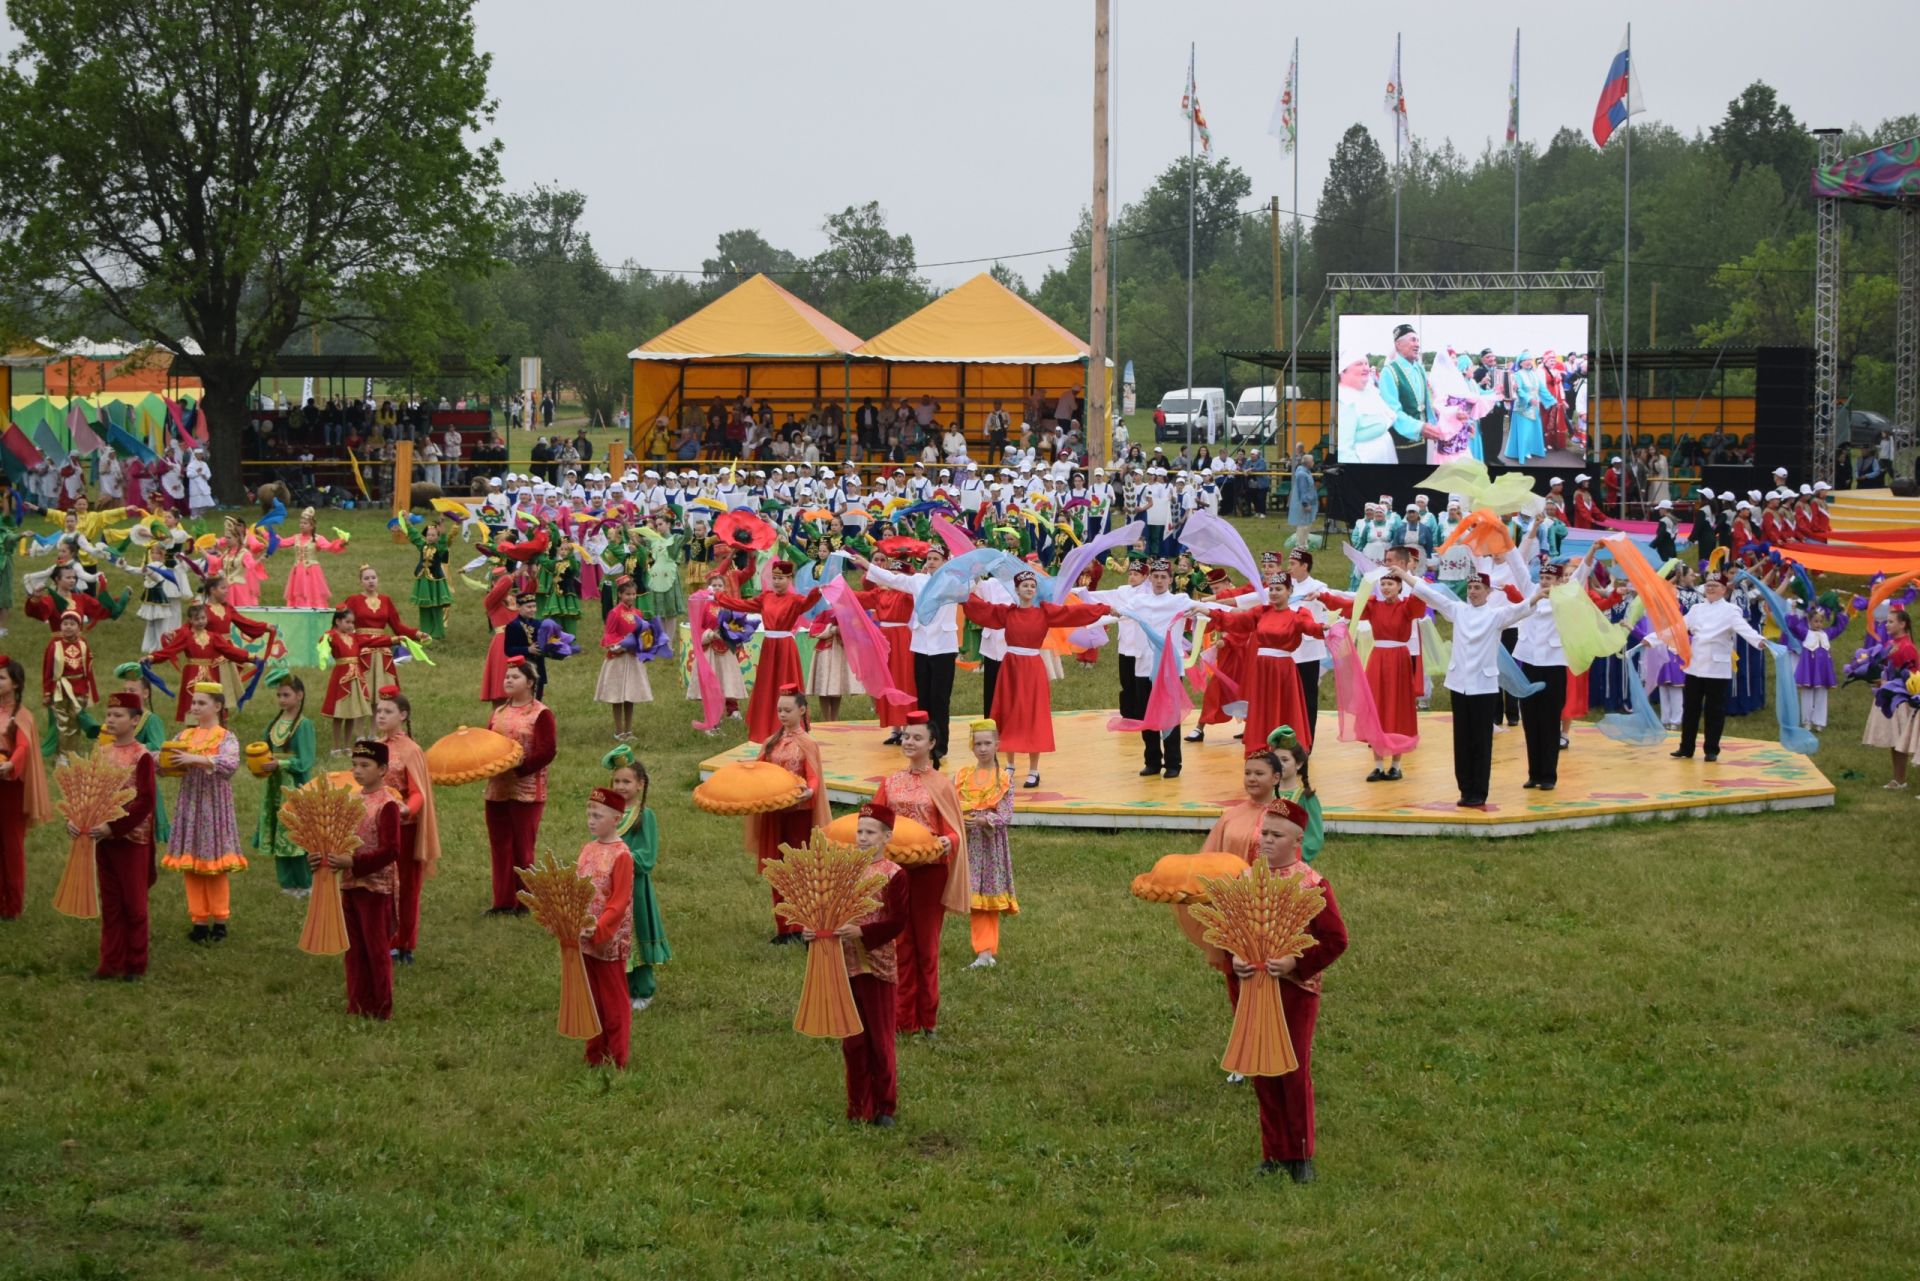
(209, 898)
(985, 927)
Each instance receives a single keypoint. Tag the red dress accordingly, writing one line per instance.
(199, 656)
(1023, 698)
(779, 662)
(1774, 528)
(351, 678)
(500, 612)
(1578, 702)
(1230, 658)
(376, 613)
(1274, 695)
(1393, 673)
(47, 606)
(893, 611)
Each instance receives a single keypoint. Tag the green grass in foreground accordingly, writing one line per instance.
(1680, 1049)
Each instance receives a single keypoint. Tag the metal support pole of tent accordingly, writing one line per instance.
(1906, 343)
(960, 398)
(1826, 314)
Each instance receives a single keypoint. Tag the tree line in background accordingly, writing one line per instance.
(1723, 243)
(209, 178)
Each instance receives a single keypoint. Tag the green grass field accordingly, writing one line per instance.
(1683, 1050)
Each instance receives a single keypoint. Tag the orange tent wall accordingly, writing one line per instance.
(80, 376)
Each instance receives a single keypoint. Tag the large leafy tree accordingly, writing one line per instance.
(221, 176)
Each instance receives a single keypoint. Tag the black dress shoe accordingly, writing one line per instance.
(1529, 784)
(199, 934)
(1394, 775)
(403, 956)
(1172, 773)
(132, 978)
(498, 911)
(883, 1122)
(522, 910)
(1272, 1167)
(1563, 742)
(1149, 771)
(1198, 736)
(1378, 776)
(1681, 756)
(1301, 1170)
(1711, 757)
(219, 931)
(1548, 787)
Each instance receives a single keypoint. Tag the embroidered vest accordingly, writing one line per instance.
(881, 962)
(597, 860)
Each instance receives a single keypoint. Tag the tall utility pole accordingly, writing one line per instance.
(1099, 419)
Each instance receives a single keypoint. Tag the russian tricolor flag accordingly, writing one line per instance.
(1620, 96)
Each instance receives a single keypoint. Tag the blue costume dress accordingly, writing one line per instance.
(1748, 693)
(1525, 436)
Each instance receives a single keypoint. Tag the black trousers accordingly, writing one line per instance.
(991, 666)
(933, 679)
(1540, 717)
(1708, 693)
(1161, 750)
(1508, 703)
(1310, 691)
(1473, 719)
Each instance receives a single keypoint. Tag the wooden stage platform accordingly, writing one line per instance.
(1092, 781)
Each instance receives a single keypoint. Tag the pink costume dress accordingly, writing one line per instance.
(306, 584)
(244, 571)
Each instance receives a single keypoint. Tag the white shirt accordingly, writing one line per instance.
(1310, 649)
(1539, 642)
(1158, 611)
(1475, 665)
(1158, 500)
(942, 635)
(1714, 624)
(993, 640)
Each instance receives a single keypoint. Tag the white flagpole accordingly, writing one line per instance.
(1515, 147)
(1626, 277)
(1293, 325)
(1193, 98)
(1399, 130)
(1113, 241)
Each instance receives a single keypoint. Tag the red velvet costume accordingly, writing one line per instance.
(125, 864)
(366, 892)
(500, 611)
(793, 825)
(413, 802)
(779, 662)
(1822, 522)
(1393, 673)
(1286, 1102)
(892, 610)
(1023, 697)
(1272, 685)
(918, 994)
(198, 655)
(609, 865)
(1776, 526)
(517, 798)
(71, 662)
(873, 1087)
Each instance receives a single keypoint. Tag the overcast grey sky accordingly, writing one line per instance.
(971, 123)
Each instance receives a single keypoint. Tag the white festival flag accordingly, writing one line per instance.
(1285, 122)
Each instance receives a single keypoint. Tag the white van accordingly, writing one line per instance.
(1253, 407)
(1189, 403)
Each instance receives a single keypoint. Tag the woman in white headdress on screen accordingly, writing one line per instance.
(1366, 422)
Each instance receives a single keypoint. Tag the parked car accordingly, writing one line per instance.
(1185, 405)
(1864, 427)
(1254, 405)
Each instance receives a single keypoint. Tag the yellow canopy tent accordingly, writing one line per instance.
(756, 341)
(975, 345)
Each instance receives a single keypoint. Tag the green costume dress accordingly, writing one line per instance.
(664, 597)
(1316, 834)
(649, 931)
(9, 539)
(293, 747)
(152, 733)
(431, 591)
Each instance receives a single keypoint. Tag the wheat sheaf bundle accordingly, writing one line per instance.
(825, 885)
(558, 898)
(323, 819)
(94, 790)
(1259, 916)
